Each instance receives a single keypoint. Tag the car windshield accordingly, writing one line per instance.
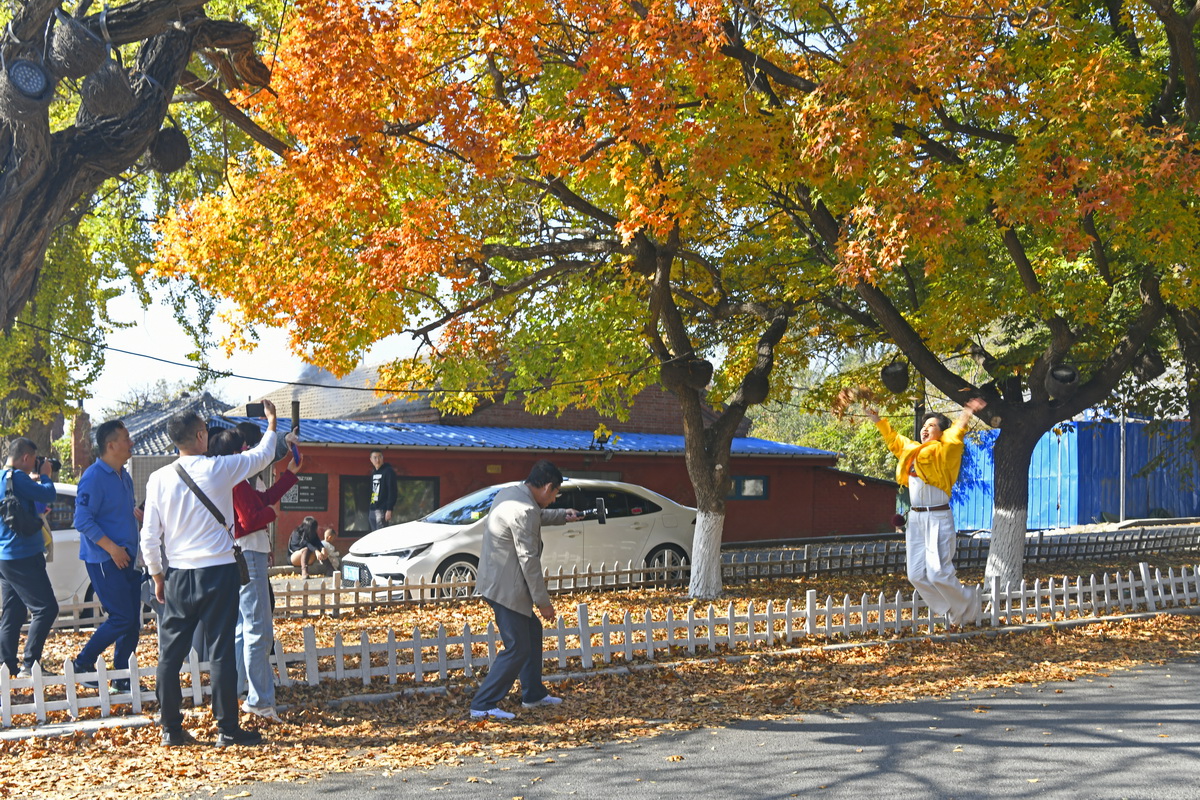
(465, 510)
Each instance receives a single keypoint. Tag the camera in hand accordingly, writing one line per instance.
(599, 513)
(55, 464)
(255, 410)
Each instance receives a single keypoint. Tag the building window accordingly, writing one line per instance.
(748, 487)
(415, 497)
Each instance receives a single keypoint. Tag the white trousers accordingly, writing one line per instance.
(930, 541)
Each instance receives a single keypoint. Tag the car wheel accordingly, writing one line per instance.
(457, 569)
(668, 563)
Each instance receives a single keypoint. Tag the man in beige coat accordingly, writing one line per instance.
(511, 580)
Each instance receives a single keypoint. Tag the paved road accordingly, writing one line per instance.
(1132, 735)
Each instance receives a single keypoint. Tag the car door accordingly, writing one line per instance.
(562, 545)
(67, 573)
(622, 539)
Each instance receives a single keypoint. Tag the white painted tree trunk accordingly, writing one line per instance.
(1006, 554)
(706, 556)
(1012, 455)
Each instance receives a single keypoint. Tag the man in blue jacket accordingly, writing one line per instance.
(106, 519)
(24, 585)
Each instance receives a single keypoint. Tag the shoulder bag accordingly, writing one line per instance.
(238, 556)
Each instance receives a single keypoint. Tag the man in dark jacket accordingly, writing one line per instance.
(24, 585)
(383, 491)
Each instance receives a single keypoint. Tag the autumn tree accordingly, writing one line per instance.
(545, 196)
(566, 198)
(100, 110)
(1010, 191)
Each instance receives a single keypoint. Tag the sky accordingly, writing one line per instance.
(157, 334)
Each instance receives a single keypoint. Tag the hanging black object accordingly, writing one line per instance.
(106, 92)
(1061, 381)
(169, 150)
(74, 50)
(895, 377)
(1149, 365)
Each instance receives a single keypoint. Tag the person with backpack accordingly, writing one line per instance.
(24, 584)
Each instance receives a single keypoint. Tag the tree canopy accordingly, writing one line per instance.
(83, 173)
(544, 196)
(572, 198)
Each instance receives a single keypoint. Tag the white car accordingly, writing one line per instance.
(67, 574)
(642, 527)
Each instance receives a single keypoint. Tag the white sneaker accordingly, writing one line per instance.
(548, 700)
(495, 713)
(266, 712)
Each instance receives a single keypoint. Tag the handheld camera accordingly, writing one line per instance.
(599, 513)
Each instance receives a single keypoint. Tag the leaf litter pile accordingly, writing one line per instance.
(426, 729)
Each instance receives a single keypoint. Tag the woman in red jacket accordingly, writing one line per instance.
(253, 512)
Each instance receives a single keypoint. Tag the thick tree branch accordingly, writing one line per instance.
(914, 347)
(1121, 358)
(756, 64)
(229, 111)
(1179, 30)
(568, 198)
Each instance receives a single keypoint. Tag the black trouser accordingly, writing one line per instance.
(26, 589)
(208, 595)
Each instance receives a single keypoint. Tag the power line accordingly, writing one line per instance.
(390, 390)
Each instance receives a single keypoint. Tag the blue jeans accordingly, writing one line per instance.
(120, 592)
(379, 518)
(255, 632)
(520, 658)
(26, 589)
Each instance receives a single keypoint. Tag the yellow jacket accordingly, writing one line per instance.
(937, 462)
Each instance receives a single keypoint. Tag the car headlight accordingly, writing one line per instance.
(405, 553)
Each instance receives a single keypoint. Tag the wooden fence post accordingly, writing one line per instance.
(280, 658)
(310, 655)
(364, 649)
(1148, 587)
(810, 612)
(585, 636)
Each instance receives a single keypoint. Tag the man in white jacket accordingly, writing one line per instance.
(199, 579)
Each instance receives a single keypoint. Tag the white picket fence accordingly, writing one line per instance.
(415, 659)
(333, 597)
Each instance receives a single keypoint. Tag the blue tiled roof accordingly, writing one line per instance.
(389, 434)
(148, 426)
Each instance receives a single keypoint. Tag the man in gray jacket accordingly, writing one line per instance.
(510, 579)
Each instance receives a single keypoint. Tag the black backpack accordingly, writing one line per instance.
(17, 516)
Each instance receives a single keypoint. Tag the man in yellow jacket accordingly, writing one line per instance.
(929, 469)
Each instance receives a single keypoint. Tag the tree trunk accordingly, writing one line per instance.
(1012, 455)
(706, 556)
(706, 453)
(1187, 329)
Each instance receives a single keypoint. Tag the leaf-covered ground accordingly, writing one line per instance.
(422, 730)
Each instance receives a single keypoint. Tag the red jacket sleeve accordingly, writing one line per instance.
(252, 509)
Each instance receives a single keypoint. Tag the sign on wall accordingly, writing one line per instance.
(311, 493)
